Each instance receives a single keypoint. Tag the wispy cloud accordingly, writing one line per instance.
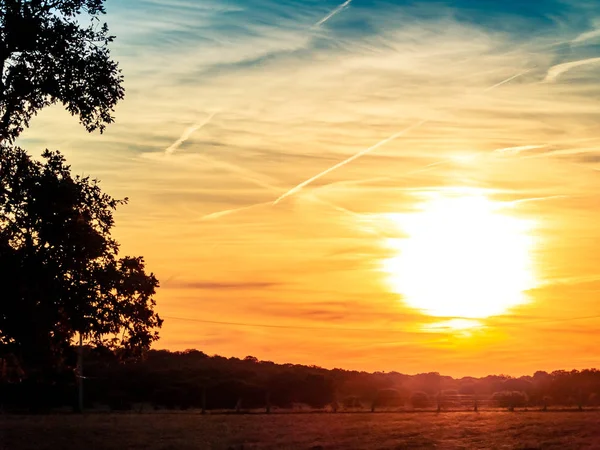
(220, 285)
(588, 35)
(556, 71)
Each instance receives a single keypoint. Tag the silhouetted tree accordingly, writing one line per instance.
(48, 56)
(419, 400)
(509, 399)
(389, 398)
(352, 401)
(60, 272)
(316, 391)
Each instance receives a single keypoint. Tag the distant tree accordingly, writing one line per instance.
(352, 401)
(316, 391)
(60, 272)
(509, 399)
(55, 52)
(546, 401)
(389, 398)
(419, 399)
(449, 398)
(594, 400)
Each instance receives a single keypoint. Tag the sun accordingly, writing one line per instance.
(461, 255)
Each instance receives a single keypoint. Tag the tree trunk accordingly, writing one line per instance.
(80, 375)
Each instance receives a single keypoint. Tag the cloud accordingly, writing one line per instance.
(556, 71)
(221, 285)
(588, 35)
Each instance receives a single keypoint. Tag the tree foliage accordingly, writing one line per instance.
(49, 56)
(60, 272)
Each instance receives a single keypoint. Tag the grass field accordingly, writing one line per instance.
(497, 430)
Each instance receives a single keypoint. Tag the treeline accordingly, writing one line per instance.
(192, 379)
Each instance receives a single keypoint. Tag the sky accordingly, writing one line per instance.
(408, 185)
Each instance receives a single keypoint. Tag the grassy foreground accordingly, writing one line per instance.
(497, 430)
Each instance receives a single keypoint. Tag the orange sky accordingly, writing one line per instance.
(497, 186)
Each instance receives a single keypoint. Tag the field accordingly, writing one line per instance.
(497, 430)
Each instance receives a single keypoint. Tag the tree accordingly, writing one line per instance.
(60, 272)
(48, 56)
(419, 399)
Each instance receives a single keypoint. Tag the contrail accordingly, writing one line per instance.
(312, 196)
(428, 166)
(556, 71)
(509, 79)
(348, 160)
(219, 214)
(538, 199)
(379, 144)
(186, 135)
(519, 149)
(337, 10)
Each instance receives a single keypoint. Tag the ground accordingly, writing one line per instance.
(181, 431)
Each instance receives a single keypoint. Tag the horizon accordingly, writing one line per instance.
(371, 372)
(378, 186)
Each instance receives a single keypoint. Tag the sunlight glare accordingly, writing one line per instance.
(461, 257)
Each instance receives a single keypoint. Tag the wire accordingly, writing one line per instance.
(368, 330)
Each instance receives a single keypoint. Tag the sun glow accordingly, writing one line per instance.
(461, 256)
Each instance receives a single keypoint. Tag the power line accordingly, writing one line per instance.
(367, 330)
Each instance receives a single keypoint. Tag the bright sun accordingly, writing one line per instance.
(461, 257)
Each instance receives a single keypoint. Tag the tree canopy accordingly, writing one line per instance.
(49, 56)
(60, 271)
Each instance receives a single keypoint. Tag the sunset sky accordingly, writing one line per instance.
(463, 233)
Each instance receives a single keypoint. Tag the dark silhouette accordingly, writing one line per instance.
(60, 271)
(509, 399)
(193, 380)
(47, 57)
(420, 399)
